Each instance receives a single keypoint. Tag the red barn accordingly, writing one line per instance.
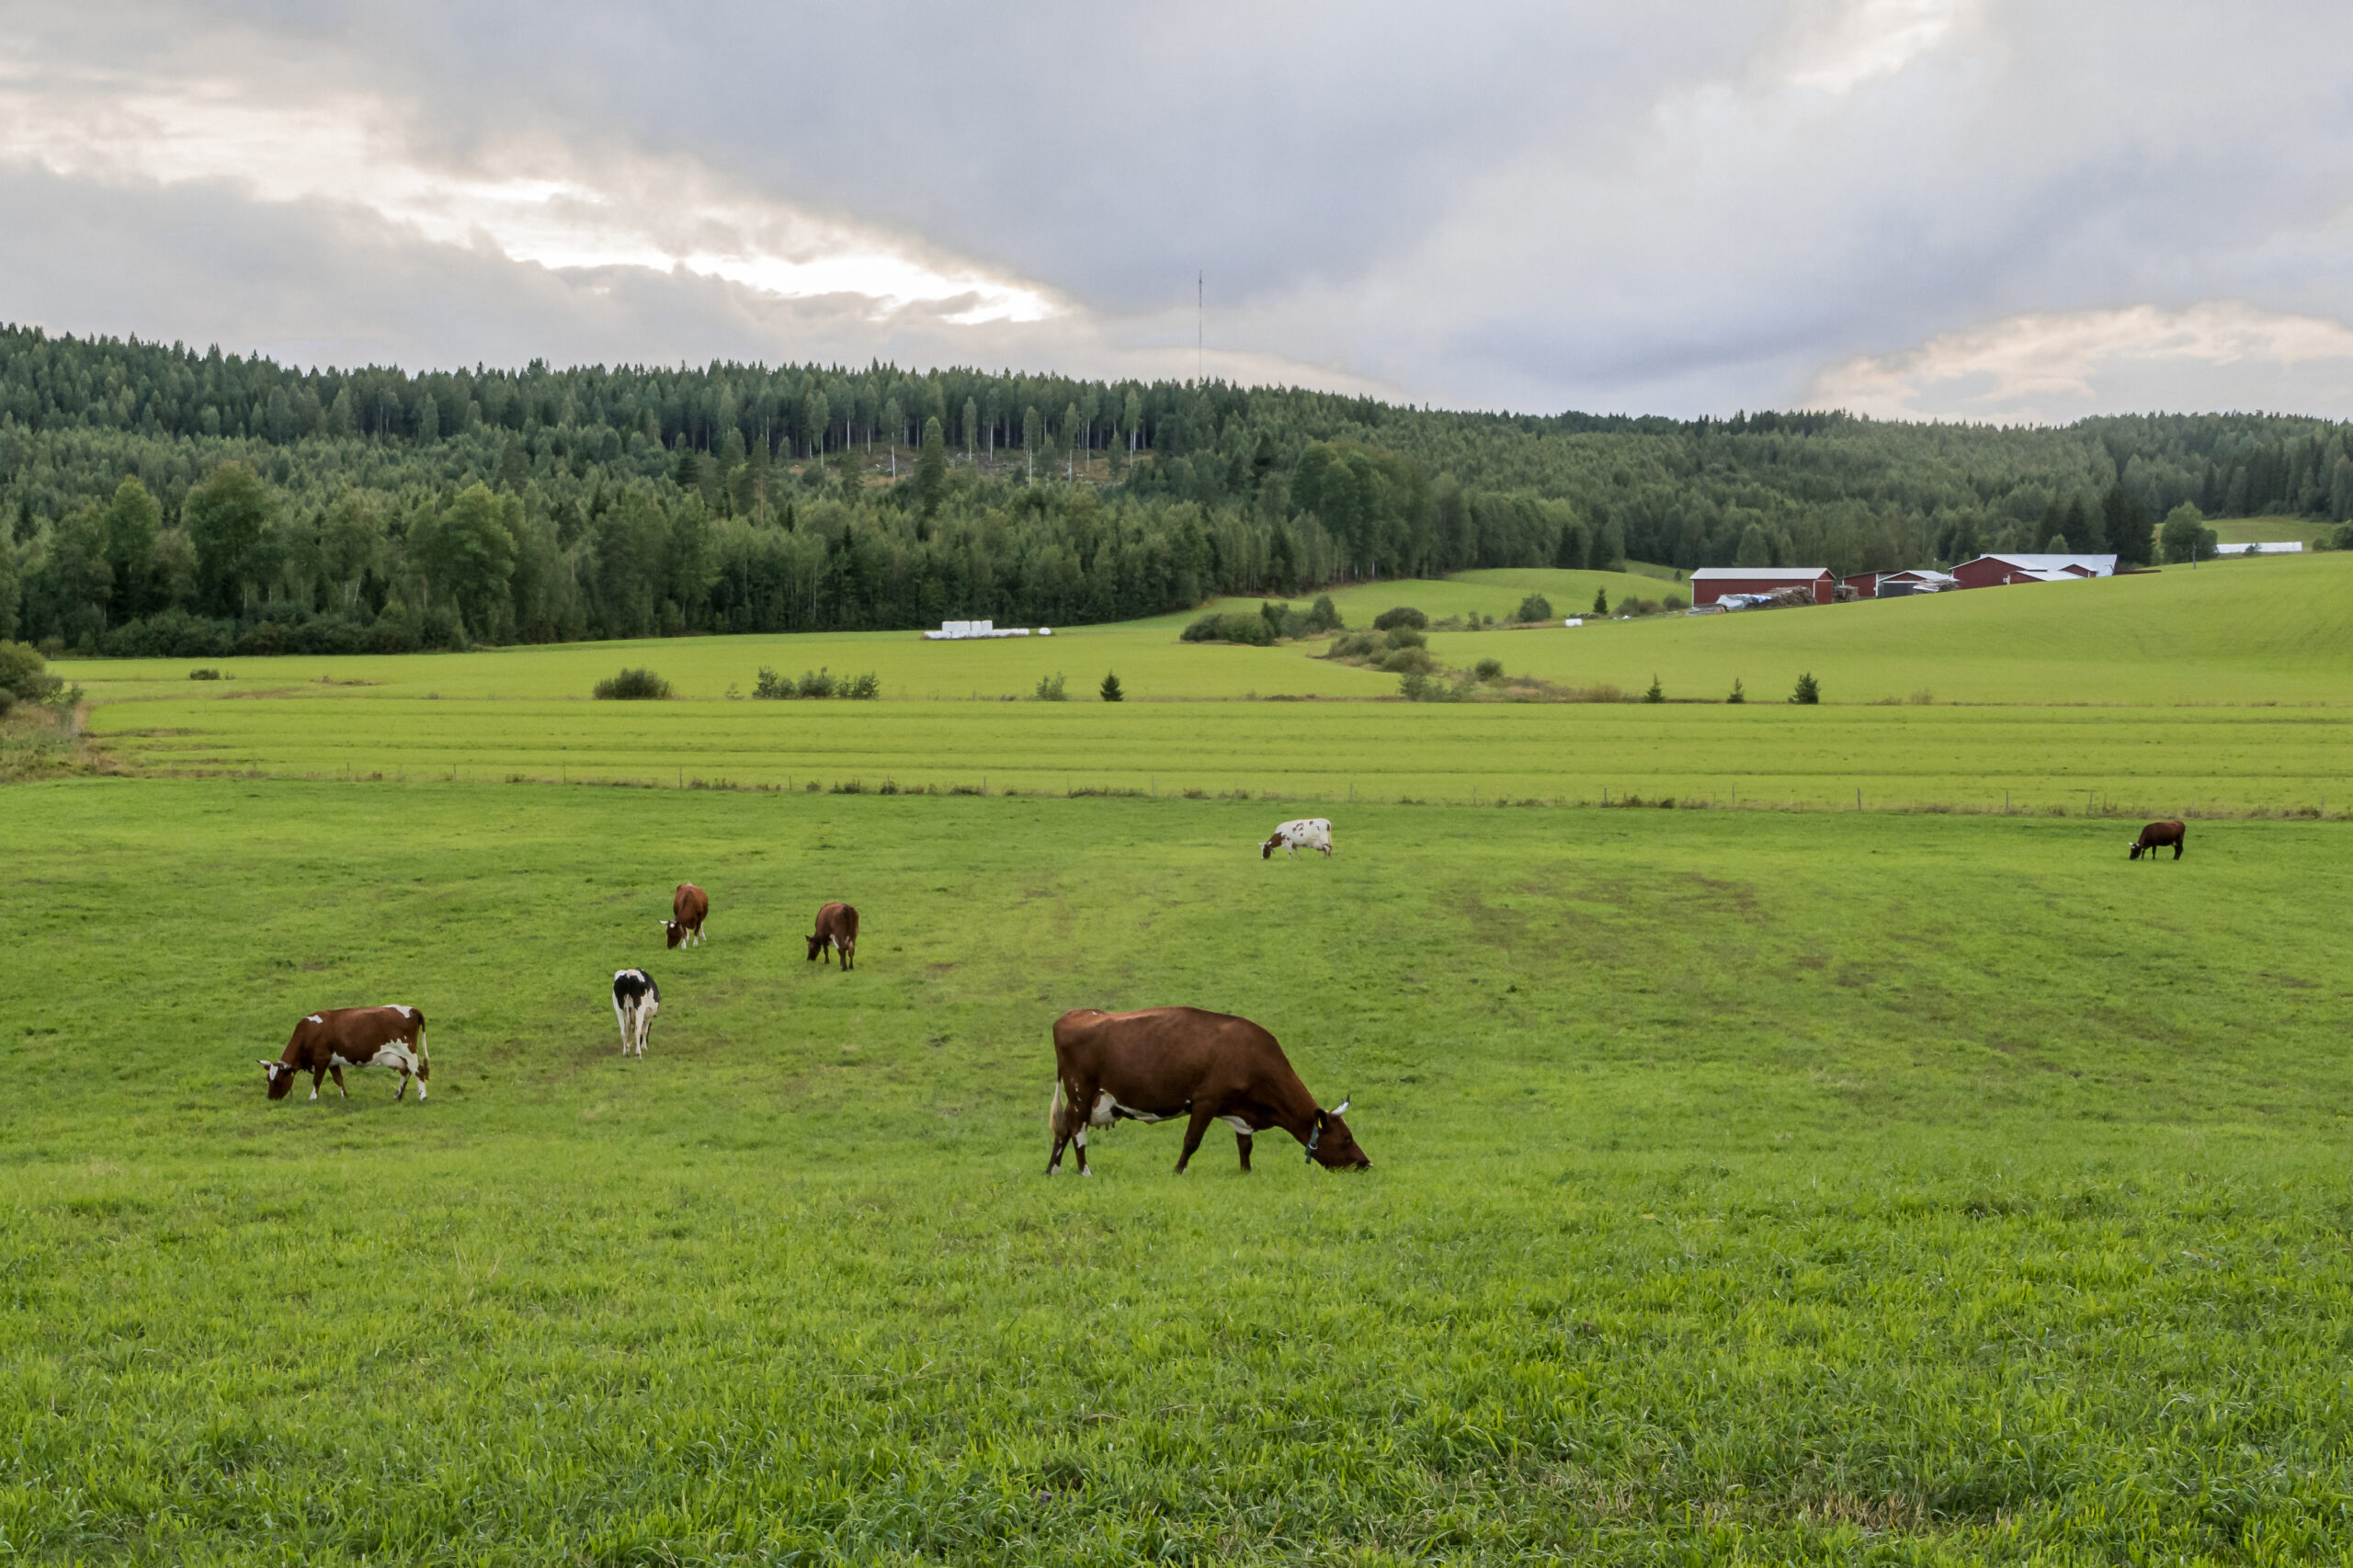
(1997, 571)
(1710, 584)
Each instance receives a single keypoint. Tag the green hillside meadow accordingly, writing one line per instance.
(2222, 688)
(1914, 1184)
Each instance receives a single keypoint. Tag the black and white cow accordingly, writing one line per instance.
(635, 1001)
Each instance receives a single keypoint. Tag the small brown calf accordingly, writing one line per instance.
(2156, 837)
(837, 931)
(688, 906)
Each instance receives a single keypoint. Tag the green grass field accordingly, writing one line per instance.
(2212, 690)
(1748, 1188)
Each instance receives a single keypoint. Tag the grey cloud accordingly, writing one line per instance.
(1534, 205)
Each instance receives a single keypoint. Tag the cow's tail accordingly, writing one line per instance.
(1056, 1108)
(424, 1062)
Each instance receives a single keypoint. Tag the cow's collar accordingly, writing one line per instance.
(1314, 1138)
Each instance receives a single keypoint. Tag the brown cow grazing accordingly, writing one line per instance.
(2156, 837)
(338, 1038)
(1164, 1063)
(688, 908)
(837, 931)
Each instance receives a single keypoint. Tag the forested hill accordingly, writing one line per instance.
(155, 498)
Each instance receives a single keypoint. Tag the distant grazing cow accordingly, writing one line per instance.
(635, 1001)
(1165, 1062)
(2156, 837)
(338, 1038)
(1308, 833)
(688, 908)
(837, 931)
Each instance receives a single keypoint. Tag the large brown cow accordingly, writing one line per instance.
(688, 906)
(2156, 837)
(837, 931)
(1164, 1063)
(338, 1038)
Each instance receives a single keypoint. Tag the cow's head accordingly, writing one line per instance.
(281, 1077)
(816, 945)
(2135, 854)
(1332, 1145)
(676, 932)
(1266, 851)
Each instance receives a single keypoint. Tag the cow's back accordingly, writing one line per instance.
(1155, 1052)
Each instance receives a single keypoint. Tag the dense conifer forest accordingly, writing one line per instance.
(154, 499)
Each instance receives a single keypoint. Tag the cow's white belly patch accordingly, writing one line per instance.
(388, 1056)
(1108, 1110)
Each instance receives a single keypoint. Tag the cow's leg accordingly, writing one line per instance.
(401, 1092)
(848, 952)
(335, 1070)
(1242, 1141)
(1194, 1130)
(621, 1016)
(318, 1077)
(2177, 850)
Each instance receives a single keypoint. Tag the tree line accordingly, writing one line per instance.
(155, 499)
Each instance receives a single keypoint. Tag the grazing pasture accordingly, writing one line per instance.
(1748, 1187)
(2172, 693)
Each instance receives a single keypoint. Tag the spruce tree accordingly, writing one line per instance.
(1110, 689)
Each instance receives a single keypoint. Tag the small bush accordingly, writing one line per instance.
(771, 686)
(1109, 690)
(1535, 607)
(1402, 615)
(204, 675)
(1657, 693)
(1808, 691)
(1675, 604)
(1632, 605)
(1406, 637)
(23, 673)
(1489, 670)
(1050, 689)
(1601, 601)
(1323, 615)
(867, 688)
(1249, 628)
(1399, 661)
(633, 685)
(1738, 695)
(818, 684)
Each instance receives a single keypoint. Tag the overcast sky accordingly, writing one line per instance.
(1958, 209)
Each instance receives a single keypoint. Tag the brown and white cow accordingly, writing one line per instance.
(1290, 837)
(1165, 1062)
(328, 1041)
(836, 932)
(688, 906)
(2156, 837)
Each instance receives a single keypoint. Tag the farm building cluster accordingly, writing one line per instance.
(1717, 588)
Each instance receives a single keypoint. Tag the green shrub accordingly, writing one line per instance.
(771, 686)
(1489, 670)
(23, 673)
(1050, 689)
(1399, 660)
(1601, 601)
(1535, 607)
(1249, 628)
(867, 688)
(1675, 604)
(1738, 695)
(1406, 637)
(633, 685)
(1657, 693)
(204, 675)
(819, 686)
(1109, 690)
(1808, 692)
(1323, 615)
(1402, 615)
(1356, 645)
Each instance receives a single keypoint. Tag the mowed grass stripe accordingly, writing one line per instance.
(2164, 759)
